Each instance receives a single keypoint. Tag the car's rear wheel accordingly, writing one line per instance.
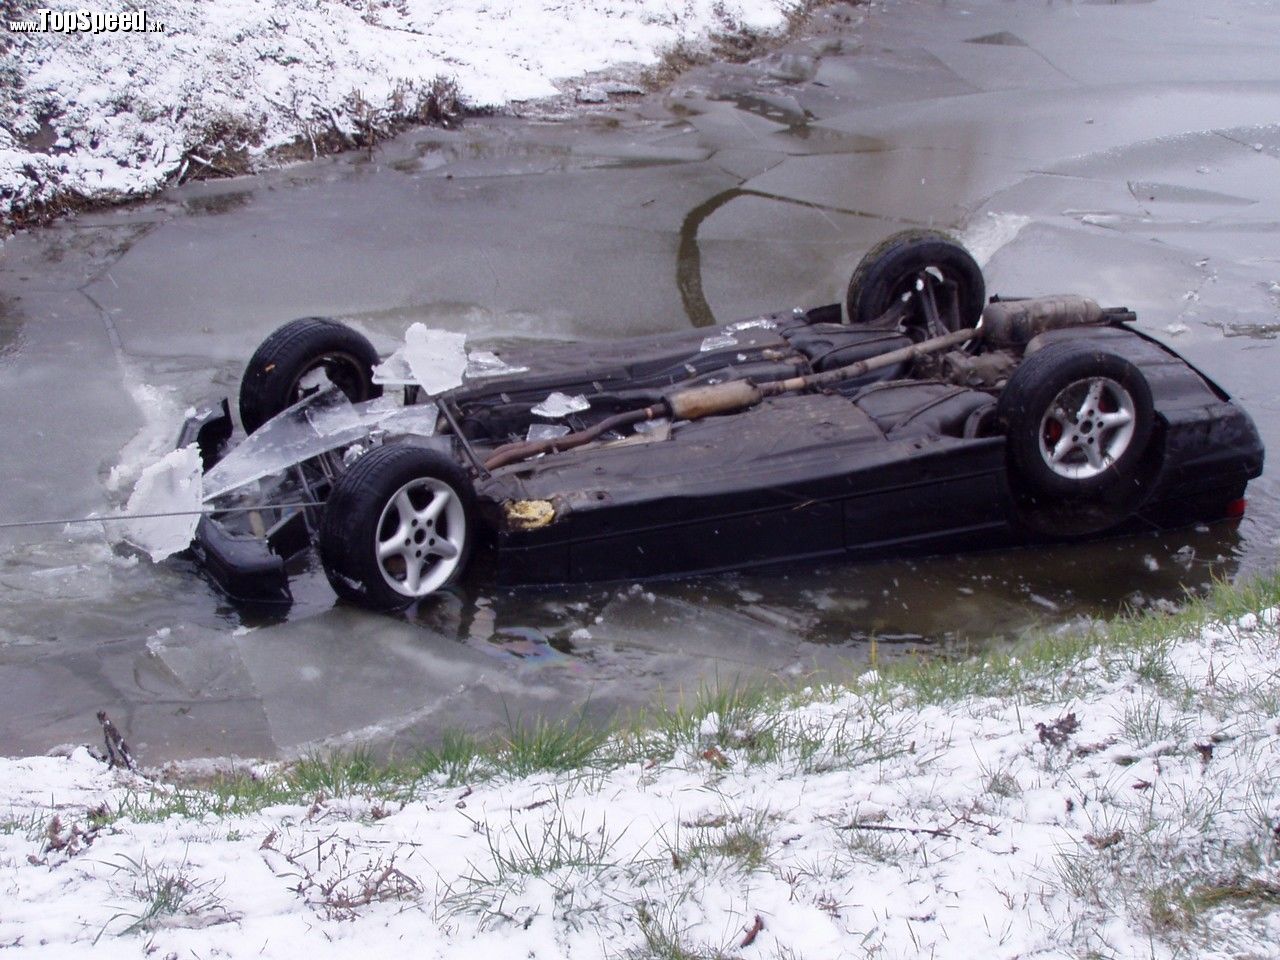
(298, 358)
(1078, 422)
(398, 526)
(901, 267)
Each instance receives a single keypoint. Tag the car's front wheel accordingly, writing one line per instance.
(900, 267)
(298, 358)
(398, 526)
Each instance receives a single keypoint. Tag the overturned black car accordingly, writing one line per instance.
(915, 417)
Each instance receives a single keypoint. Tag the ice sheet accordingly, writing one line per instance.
(546, 431)
(483, 363)
(170, 485)
(560, 405)
(317, 424)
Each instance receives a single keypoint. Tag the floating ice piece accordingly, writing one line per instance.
(483, 363)
(655, 427)
(1174, 329)
(171, 485)
(393, 371)
(431, 359)
(560, 405)
(436, 357)
(317, 424)
(546, 431)
(718, 341)
(419, 419)
(760, 323)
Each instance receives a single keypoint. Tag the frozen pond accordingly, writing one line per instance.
(1071, 155)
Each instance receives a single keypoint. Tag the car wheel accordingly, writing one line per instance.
(280, 371)
(900, 265)
(397, 527)
(1078, 421)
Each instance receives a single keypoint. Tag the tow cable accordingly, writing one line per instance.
(15, 524)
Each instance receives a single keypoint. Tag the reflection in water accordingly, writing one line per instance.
(10, 328)
(215, 204)
(905, 608)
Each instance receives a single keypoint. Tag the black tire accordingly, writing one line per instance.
(1064, 415)
(890, 269)
(271, 381)
(360, 514)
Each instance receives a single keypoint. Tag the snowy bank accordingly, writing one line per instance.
(1114, 798)
(219, 84)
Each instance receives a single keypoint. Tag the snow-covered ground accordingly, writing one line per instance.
(103, 114)
(1122, 806)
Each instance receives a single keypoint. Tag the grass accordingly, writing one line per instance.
(740, 840)
(1180, 909)
(664, 938)
(165, 894)
(31, 825)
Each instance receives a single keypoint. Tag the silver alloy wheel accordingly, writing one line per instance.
(1087, 428)
(420, 537)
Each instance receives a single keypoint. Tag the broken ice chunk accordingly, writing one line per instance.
(761, 323)
(436, 357)
(315, 425)
(654, 427)
(393, 371)
(546, 431)
(718, 341)
(418, 419)
(172, 485)
(560, 405)
(1174, 329)
(334, 414)
(483, 363)
(431, 359)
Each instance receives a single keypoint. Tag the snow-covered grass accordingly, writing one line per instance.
(231, 84)
(1101, 794)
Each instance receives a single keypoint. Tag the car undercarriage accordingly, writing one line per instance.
(914, 417)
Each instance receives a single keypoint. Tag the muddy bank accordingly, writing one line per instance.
(102, 109)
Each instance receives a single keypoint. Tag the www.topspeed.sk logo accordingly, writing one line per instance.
(87, 21)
